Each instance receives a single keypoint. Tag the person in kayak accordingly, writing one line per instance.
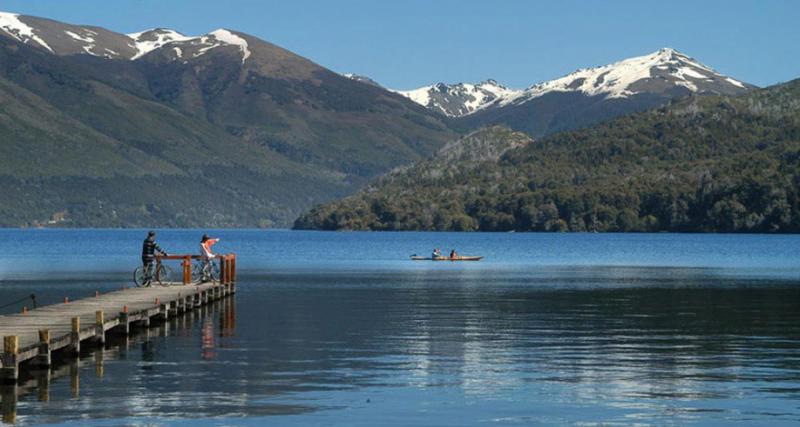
(453, 254)
(149, 250)
(436, 253)
(206, 255)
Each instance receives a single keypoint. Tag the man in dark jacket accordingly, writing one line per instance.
(149, 250)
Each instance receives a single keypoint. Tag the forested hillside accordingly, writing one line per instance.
(101, 129)
(717, 163)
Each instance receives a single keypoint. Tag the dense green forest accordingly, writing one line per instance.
(701, 164)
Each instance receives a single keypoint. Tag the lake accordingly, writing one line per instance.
(343, 329)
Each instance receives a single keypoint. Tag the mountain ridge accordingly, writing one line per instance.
(236, 131)
(658, 72)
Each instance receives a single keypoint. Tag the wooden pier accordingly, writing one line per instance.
(30, 338)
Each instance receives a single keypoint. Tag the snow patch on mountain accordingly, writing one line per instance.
(150, 40)
(88, 40)
(421, 95)
(13, 26)
(228, 37)
(735, 82)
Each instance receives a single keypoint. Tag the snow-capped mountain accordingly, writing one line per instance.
(665, 72)
(660, 72)
(65, 39)
(456, 100)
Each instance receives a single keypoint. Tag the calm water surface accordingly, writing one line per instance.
(341, 329)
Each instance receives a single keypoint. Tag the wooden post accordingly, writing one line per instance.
(173, 309)
(43, 383)
(100, 328)
(9, 404)
(11, 344)
(43, 359)
(10, 370)
(99, 366)
(145, 322)
(74, 379)
(124, 321)
(75, 336)
(227, 269)
(223, 269)
(187, 270)
(163, 311)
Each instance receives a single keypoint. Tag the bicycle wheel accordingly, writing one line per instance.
(213, 272)
(138, 276)
(164, 275)
(141, 277)
(197, 272)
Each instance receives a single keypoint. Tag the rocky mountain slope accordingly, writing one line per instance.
(157, 128)
(704, 163)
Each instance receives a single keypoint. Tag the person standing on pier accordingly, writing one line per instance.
(207, 256)
(149, 250)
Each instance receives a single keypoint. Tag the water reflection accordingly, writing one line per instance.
(147, 345)
(564, 346)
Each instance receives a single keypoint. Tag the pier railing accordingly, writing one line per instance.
(227, 266)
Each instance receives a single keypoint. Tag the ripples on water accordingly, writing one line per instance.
(448, 345)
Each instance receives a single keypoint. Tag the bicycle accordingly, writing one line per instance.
(160, 273)
(202, 272)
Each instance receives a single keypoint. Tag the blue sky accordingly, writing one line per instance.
(406, 44)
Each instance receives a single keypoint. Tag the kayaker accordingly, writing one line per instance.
(436, 253)
(453, 254)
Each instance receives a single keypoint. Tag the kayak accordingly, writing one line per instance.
(444, 258)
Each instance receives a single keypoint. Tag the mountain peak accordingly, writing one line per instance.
(659, 72)
(460, 99)
(152, 39)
